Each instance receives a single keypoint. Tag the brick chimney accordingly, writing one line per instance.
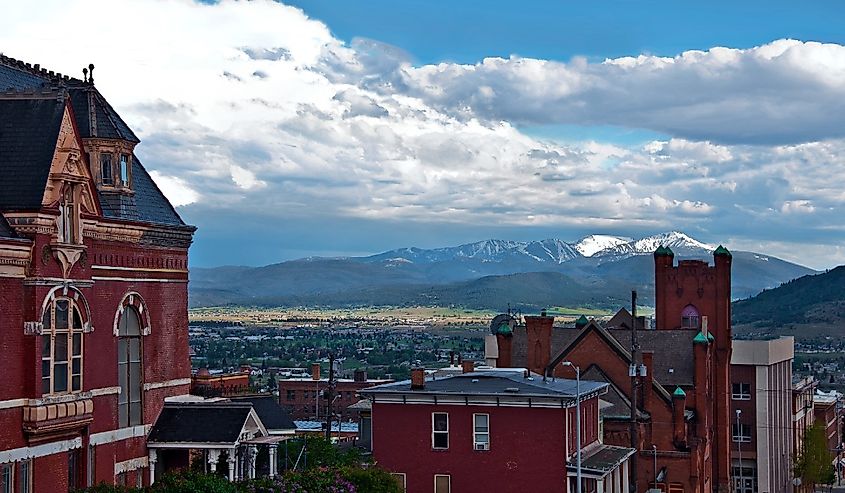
(417, 379)
(504, 343)
(679, 403)
(539, 337)
(315, 371)
(467, 366)
(360, 375)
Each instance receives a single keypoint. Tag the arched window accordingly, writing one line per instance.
(129, 367)
(61, 347)
(690, 318)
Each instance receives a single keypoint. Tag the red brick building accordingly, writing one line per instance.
(494, 430)
(93, 289)
(304, 398)
(682, 405)
(206, 384)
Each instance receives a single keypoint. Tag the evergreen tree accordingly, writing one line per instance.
(815, 465)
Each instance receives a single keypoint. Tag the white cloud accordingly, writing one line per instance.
(254, 107)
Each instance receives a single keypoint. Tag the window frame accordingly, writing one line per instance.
(107, 160)
(741, 396)
(435, 432)
(737, 435)
(402, 478)
(25, 476)
(485, 445)
(125, 344)
(7, 477)
(51, 335)
(124, 164)
(448, 483)
(69, 233)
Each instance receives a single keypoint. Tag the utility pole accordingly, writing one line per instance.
(330, 397)
(633, 370)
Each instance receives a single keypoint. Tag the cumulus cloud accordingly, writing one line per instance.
(255, 108)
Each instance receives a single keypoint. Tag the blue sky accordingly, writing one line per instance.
(348, 128)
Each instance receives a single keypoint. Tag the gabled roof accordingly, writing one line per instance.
(218, 422)
(621, 404)
(269, 411)
(29, 130)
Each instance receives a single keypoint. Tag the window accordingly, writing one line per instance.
(73, 464)
(400, 478)
(68, 216)
(745, 479)
(291, 395)
(481, 431)
(442, 483)
(25, 477)
(92, 465)
(690, 318)
(440, 430)
(124, 170)
(61, 347)
(7, 478)
(106, 169)
(741, 433)
(129, 368)
(741, 391)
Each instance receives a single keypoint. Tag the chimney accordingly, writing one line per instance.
(539, 335)
(315, 371)
(451, 358)
(467, 366)
(360, 375)
(246, 368)
(648, 389)
(203, 372)
(504, 342)
(679, 403)
(417, 379)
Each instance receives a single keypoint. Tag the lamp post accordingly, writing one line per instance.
(739, 450)
(577, 424)
(654, 448)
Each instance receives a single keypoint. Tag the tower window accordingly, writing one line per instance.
(690, 318)
(129, 368)
(68, 217)
(61, 350)
(106, 169)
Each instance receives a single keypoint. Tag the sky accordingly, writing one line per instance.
(346, 128)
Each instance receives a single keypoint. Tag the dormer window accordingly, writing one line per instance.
(124, 170)
(68, 217)
(106, 169)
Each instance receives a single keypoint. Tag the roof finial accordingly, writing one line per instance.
(91, 73)
(84, 74)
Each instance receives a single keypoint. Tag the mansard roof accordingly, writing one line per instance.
(29, 131)
(32, 112)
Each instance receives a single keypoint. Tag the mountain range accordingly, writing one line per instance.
(596, 271)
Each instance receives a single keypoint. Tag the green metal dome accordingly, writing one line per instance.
(582, 321)
(700, 339)
(504, 329)
(679, 392)
(722, 251)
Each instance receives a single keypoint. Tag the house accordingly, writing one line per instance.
(803, 418)
(495, 430)
(669, 386)
(93, 288)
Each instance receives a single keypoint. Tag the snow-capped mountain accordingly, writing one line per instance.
(590, 245)
(680, 243)
(544, 251)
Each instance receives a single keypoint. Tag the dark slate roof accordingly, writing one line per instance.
(5, 229)
(148, 204)
(269, 411)
(498, 382)
(220, 422)
(601, 459)
(673, 350)
(29, 129)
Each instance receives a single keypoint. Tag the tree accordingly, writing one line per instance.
(815, 465)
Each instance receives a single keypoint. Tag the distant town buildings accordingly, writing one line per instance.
(307, 399)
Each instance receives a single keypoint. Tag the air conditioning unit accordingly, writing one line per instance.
(482, 446)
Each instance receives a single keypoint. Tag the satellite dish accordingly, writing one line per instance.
(505, 322)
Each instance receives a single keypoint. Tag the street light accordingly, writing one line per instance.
(577, 423)
(654, 448)
(739, 450)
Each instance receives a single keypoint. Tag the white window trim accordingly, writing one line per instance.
(11, 485)
(475, 442)
(741, 396)
(403, 477)
(738, 437)
(73, 306)
(433, 433)
(448, 477)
